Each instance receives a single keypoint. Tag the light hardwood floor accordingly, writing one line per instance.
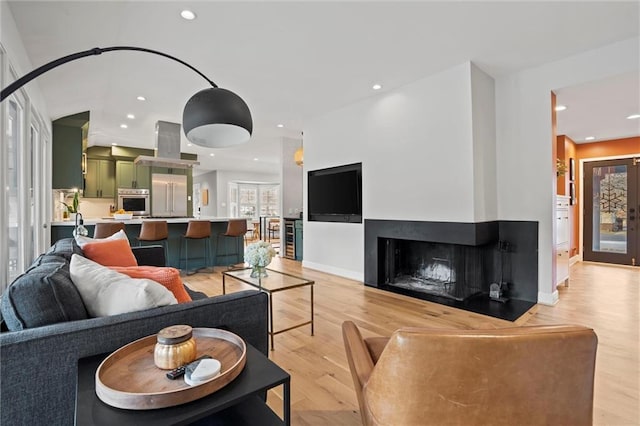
(603, 297)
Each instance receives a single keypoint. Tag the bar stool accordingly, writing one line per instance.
(235, 228)
(196, 230)
(155, 231)
(107, 229)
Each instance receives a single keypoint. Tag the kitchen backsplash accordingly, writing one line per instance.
(89, 207)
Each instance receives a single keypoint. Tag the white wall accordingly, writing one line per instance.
(526, 178)
(291, 189)
(416, 148)
(483, 114)
(209, 181)
(217, 182)
(18, 59)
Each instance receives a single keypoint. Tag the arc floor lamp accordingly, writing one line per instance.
(213, 117)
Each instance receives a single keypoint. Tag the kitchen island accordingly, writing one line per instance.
(177, 228)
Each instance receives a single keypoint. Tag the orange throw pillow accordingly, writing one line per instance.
(168, 277)
(110, 253)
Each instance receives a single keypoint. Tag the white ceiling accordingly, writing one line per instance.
(291, 61)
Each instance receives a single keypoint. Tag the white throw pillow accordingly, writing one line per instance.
(81, 240)
(107, 292)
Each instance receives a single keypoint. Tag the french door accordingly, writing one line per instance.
(611, 208)
(25, 199)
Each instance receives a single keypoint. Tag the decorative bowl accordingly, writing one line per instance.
(123, 216)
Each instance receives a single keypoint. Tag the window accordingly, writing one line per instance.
(253, 199)
(248, 200)
(269, 200)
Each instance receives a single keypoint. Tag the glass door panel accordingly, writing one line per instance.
(611, 198)
(14, 135)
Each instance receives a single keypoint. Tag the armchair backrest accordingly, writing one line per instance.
(525, 375)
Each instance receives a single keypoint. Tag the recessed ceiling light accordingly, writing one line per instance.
(255, 159)
(114, 144)
(188, 15)
(123, 126)
(376, 87)
(280, 125)
(212, 155)
(589, 138)
(189, 144)
(632, 116)
(131, 116)
(141, 98)
(560, 107)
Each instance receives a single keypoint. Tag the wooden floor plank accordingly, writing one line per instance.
(603, 297)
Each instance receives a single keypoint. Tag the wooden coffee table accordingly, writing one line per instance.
(241, 402)
(276, 281)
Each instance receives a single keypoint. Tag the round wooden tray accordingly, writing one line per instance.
(128, 378)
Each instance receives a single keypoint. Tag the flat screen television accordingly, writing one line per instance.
(335, 194)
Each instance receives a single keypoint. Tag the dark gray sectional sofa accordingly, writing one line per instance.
(38, 363)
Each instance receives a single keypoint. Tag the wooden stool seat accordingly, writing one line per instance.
(196, 230)
(235, 228)
(107, 229)
(155, 231)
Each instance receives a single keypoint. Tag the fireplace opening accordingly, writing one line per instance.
(457, 264)
(452, 271)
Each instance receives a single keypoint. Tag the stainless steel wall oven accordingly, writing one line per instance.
(134, 200)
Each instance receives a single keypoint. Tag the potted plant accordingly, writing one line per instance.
(258, 256)
(72, 208)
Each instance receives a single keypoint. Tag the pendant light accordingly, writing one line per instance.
(213, 117)
(298, 156)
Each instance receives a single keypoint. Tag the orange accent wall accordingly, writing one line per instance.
(567, 147)
(610, 148)
(585, 151)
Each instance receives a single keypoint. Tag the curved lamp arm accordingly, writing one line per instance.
(95, 51)
(213, 117)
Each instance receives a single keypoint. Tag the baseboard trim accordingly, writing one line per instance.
(548, 299)
(357, 276)
(574, 259)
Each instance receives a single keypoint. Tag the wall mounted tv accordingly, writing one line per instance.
(335, 194)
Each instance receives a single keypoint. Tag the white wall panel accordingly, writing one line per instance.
(415, 145)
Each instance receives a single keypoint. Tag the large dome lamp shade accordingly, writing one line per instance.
(217, 118)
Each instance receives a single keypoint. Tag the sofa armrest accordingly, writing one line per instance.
(149, 255)
(39, 365)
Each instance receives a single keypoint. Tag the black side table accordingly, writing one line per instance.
(241, 402)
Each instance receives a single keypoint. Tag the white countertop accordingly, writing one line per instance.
(137, 221)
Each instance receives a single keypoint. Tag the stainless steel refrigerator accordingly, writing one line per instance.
(168, 195)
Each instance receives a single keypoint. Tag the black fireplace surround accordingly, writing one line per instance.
(454, 263)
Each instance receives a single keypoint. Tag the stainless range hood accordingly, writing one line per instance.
(167, 149)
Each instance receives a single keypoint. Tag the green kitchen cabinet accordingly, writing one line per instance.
(100, 180)
(130, 175)
(66, 153)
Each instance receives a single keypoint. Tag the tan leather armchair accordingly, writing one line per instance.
(537, 375)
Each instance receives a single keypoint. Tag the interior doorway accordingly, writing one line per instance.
(612, 198)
